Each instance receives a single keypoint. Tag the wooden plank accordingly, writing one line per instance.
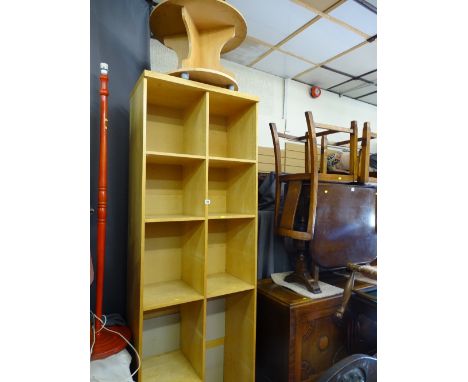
(195, 126)
(193, 255)
(265, 159)
(336, 177)
(229, 162)
(266, 167)
(294, 147)
(299, 155)
(193, 186)
(294, 169)
(323, 155)
(173, 86)
(365, 154)
(268, 151)
(166, 294)
(243, 133)
(172, 218)
(333, 128)
(136, 203)
(239, 341)
(291, 137)
(296, 163)
(347, 142)
(168, 367)
(241, 249)
(242, 181)
(221, 284)
(214, 343)
(215, 216)
(216, 255)
(353, 157)
(290, 204)
(158, 157)
(192, 335)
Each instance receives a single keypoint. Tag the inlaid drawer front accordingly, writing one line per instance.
(321, 344)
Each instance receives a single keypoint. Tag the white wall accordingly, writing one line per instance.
(328, 108)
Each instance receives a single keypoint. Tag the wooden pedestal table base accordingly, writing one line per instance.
(199, 31)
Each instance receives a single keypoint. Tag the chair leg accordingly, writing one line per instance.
(302, 276)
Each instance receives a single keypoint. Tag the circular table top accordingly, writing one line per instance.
(166, 19)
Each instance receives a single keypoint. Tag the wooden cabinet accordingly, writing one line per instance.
(297, 338)
(192, 230)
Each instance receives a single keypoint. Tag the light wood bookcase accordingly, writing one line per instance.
(192, 230)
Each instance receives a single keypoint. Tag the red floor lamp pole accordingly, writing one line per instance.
(107, 340)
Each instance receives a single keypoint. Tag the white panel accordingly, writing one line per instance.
(214, 371)
(364, 89)
(247, 52)
(372, 98)
(161, 335)
(321, 41)
(371, 77)
(215, 319)
(323, 78)
(282, 65)
(357, 16)
(272, 21)
(348, 86)
(357, 62)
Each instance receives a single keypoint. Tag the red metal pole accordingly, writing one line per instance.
(102, 195)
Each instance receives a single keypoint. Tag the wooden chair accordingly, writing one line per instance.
(359, 163)
(300, 189)
(324, 175)
(299, 210)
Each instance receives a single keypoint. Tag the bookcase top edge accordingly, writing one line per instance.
(197, 85)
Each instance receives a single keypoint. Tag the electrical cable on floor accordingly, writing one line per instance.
(113, 331)
(94, 340)
(94, 332)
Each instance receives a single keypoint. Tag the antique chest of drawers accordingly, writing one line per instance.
(297, 338)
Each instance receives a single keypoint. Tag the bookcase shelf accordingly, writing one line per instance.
(193, 229)
(173, 344)
(230, 190)
(216, 215)
(169, 367)
(171, 158)
(228, 162)
(232, 127)
(220, 284)
(230, 266)
(230, 323)
(174, 264)
(175, 189)
(176, 125)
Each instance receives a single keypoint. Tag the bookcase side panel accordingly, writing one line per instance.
(137, 174)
